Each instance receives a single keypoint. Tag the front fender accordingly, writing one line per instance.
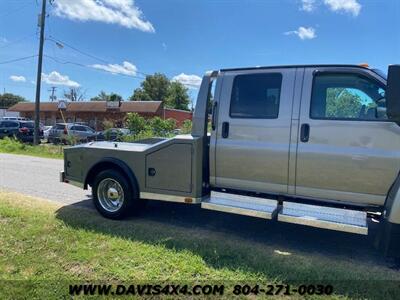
(392, 204)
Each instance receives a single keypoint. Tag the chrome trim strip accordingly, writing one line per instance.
(170, 198)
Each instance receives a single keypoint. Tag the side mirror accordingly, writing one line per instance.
(393, 93)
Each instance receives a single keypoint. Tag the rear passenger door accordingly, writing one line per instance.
(253, 130)
(347, 150)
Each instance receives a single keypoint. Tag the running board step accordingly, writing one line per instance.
(241, 205)
(324, 217)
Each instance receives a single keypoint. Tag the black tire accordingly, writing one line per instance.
(131, 202)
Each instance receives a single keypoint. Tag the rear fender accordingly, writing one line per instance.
(112, 163)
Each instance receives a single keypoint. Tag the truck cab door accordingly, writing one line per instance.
(250, 142)
(347, 150)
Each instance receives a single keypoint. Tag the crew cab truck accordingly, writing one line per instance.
(315, 145)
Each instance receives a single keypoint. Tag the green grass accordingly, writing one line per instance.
(44, 247)
(8, 145)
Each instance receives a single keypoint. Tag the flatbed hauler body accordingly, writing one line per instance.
(311, 145)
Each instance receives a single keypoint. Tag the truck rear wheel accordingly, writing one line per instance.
(113, 196)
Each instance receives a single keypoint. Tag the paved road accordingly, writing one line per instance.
(38, 177)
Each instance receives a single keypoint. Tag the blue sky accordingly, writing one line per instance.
(186, 37)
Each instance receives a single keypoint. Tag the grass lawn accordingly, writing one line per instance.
(44, 247)
(13, 146)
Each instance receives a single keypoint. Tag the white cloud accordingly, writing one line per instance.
(126, 68)
(3, 40)
(122, 12)
(17, 78)
(308, 5)
(55, 78)
(304, 33)
(349, 6)
(190, 81)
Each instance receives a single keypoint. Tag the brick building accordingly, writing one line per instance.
(94, 113)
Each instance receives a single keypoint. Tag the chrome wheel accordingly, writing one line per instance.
(110, 195)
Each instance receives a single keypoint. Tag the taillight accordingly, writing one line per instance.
(23, 130)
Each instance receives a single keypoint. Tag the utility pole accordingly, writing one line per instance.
(52, 90)
(39, 73)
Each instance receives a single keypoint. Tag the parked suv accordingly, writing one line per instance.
(61, 131)
(113, 134)
(22, 130)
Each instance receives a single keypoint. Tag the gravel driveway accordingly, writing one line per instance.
(39, 177)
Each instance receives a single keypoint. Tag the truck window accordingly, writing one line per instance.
(347, 97)
(256, 96)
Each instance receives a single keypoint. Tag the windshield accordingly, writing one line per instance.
(27, 124)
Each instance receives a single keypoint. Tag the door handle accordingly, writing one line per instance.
(225, 130)
(305, 133)
(213, 115)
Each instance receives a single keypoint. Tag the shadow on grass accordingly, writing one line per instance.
(288, 253)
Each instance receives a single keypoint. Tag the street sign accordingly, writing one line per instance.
(62, 104)
(113, 104)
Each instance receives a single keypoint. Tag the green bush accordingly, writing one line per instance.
(135, 123)
(161, 127)
(186, 127)
(142, 128)
(139, 136)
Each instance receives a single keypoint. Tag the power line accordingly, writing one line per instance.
(17, 41)
(76, 49)
(58, 41)
(17, 59)
(89, 67)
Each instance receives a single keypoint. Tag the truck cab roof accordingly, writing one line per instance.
(377, 71)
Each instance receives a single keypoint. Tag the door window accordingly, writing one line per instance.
(256, 96)
(79, 128)
(347, 97)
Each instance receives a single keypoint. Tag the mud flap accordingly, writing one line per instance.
(388, 239)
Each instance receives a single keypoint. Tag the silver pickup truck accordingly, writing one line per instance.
(315, 145)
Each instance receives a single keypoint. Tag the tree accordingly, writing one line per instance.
(102, 96)
(159, 88)
(115, 97)
(341, 103)
(177, 96)
(154, 87)
(74, 94)
(7, 100)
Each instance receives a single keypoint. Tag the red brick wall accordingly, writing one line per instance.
(178, 115)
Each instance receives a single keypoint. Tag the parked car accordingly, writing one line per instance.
(22, 130)
(46, 132)
(113, 134)
(13, 119)
(61, 131)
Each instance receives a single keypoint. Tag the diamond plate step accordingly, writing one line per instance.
(241, 205)
(324, 217)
